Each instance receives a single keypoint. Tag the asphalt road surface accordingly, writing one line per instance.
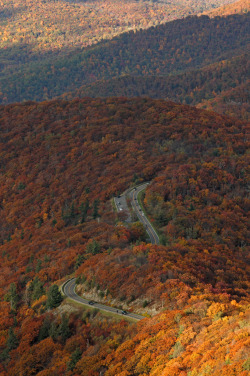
(154, 238)
(69, 290)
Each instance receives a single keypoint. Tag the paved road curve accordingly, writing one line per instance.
(69, 290)
(154, 238)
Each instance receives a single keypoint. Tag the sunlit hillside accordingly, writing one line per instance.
(237, 7)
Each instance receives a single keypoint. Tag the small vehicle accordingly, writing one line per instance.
(91, 302)
(124, 312)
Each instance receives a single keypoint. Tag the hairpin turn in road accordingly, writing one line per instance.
(69, 290)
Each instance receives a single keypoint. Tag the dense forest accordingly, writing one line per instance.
(59, 24)
(44, 29)
(115, 81)
(226, 83)
(165, 50)
(61, 164)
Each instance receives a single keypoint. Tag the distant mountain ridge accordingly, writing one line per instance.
(37, 28)
(168, 49)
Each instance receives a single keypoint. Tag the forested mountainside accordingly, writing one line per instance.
(54, 25)
(239, 7)
(61, 163)
(166, 50)
(43, 30)
(221, 87)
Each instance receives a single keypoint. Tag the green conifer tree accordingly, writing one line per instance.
(75, 357)
(12, 341)
(64, 329)
(54, 297)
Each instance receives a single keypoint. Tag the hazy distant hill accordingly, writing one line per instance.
(173, 48)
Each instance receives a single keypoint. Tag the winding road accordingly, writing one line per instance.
(154, 238)
(69, 290)
(69, 286)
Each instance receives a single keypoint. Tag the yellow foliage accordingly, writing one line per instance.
(215, 308)
(37, 303)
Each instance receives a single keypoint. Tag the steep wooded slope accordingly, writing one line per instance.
(167, 49)
(43, 30)
(61, 162)
(48, 25)
(56, 155)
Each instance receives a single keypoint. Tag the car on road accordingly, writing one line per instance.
(124, 312)
(91, 302)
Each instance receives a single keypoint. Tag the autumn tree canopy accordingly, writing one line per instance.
(61, 164)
